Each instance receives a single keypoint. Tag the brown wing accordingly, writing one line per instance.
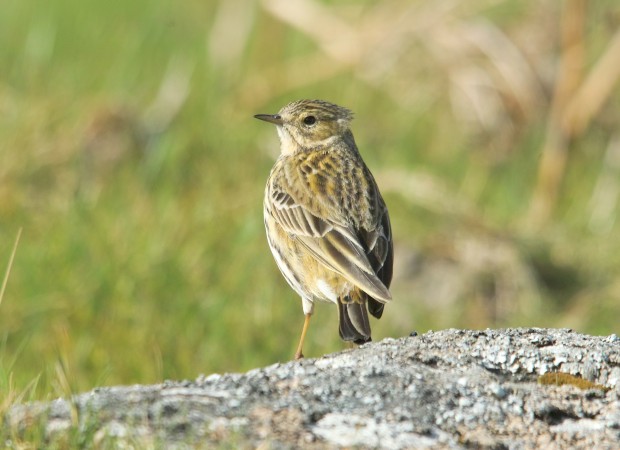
(380, 251)
(357, 255)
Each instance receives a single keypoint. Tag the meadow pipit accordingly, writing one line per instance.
(327, 225)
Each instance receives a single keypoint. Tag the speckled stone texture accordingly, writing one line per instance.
(446, 389)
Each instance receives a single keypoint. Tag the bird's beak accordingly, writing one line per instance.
(271, 118)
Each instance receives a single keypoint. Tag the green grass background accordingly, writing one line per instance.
(153, 265)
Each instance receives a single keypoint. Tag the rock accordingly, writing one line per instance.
(449, 389)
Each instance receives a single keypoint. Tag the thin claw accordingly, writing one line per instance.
(299, 353)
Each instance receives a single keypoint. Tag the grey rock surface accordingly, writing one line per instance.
(451, 389)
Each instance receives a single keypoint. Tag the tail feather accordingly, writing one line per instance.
(375, 307)
(354, 324)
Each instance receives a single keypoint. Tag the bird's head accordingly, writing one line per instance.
(308, 124)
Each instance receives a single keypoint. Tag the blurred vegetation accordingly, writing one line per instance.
(130, 159)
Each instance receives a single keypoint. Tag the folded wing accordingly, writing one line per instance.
(364, 256)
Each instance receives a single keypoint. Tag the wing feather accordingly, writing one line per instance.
(361, 256)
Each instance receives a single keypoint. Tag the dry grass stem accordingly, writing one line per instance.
(7, 273)
(576, 102)
(595, 89)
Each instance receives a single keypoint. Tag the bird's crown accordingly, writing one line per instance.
(321, 110)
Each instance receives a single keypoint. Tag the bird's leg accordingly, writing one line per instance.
(298, 353)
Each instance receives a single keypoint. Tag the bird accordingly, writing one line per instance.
(327, 224)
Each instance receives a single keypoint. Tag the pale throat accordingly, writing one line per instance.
(287, 143)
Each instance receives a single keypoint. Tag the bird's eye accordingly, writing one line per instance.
(309, 120)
